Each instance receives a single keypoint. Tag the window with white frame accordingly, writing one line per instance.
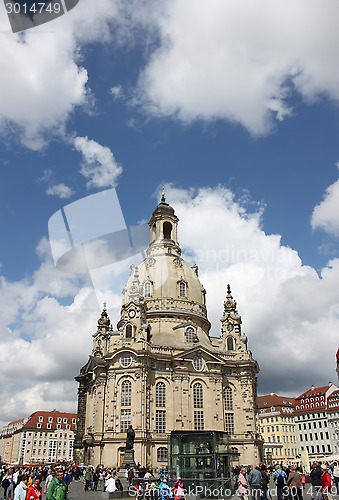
(126, 393)
(70, 449)
(228, 398)
(147, 289)
(125, 419)
(52, 449)
(162, 454)
(182, 289)
(190, 334)
(160, 421)
(198, 401)
(160, 395)
(229, 423)
(199, 420)
(198, 363)
(125, 361)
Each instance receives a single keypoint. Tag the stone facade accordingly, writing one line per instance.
(160, 370)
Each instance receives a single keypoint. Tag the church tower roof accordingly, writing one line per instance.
(163, 207)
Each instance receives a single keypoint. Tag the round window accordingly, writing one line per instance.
(125, 361)
(198, 363)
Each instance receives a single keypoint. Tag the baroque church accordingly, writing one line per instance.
(159, 370)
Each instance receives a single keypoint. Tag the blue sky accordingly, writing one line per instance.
(234, 111)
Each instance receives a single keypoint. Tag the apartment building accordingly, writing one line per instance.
(278, 428)
(43, 437)
(315, 410)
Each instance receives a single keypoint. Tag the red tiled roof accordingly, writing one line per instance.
(15, 422)
(312, 400)
(51, 418)
(273, 400)
(313, 392)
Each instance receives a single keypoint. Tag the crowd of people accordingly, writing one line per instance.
(289, 482)
(251, 482)
(25, 483)
(51, 483)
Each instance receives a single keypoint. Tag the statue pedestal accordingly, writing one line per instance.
(128, 460)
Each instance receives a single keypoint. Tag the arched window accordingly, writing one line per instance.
(129, 331)
(190, 334)
(160, 402)
(160, 395)
(198, 400)
(162, 454)
(230, 344)
(228, 398)
(167, 228)
(126, 393)
(182, 289)
(147, 289)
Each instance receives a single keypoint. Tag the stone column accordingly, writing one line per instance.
(81, 421)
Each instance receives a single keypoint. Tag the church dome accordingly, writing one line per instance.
(164, 283)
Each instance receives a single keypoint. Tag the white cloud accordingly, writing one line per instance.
(60, 190)
(236, 61)
(99, 164)
(240, 61)
(117, 92)
(325, 214)
(42, 76)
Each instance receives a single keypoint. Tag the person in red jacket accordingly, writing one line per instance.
(326, 483)
(34, 492)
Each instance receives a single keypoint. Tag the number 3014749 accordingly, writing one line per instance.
(35, 8)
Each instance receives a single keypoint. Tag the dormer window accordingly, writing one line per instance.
(147, 289)
(182, 289)
(190, 335)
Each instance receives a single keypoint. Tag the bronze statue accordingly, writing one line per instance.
(130, 438)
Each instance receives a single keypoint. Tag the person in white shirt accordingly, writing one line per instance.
(21, 489)
(110, 485)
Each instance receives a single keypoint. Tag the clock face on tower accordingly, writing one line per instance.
(131, 313)
(230, 327)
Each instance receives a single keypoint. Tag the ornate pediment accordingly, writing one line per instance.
(199, 351)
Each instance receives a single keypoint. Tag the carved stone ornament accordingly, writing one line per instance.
(150, 262)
